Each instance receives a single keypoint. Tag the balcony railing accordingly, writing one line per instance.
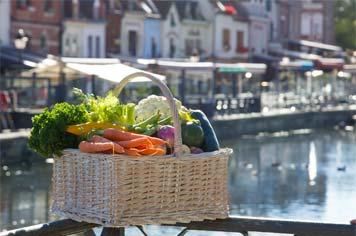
(233, 224)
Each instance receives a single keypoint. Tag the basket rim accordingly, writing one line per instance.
(222, 151)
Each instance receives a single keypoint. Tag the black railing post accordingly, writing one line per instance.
(113, 231)
(64, 84)
(215, 74)
(33, 88)
(182, 87)
(93, 89)
(233, 78)
(49, 92)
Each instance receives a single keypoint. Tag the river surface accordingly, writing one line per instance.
(307, 175)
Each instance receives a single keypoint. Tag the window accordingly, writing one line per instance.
(86, 9)
(23, 4)
(97, 46)
(240, 41)
(67, 46)
(90, 46)
(172, 48)
(189, 46)
(43, 42)
(226, 40)
(153, 48)
(132, 43)
(268, 5)
(74, 46)
(47, 6)
(173, 22)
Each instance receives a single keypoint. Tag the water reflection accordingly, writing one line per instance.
(294, 176)
(312, 166)
(288, 176)
(24, 195)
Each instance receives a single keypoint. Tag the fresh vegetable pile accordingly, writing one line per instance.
(104, 125)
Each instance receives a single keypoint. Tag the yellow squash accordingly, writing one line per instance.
(85, 128)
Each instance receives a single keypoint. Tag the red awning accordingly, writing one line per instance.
(230, 10)
(329, 63)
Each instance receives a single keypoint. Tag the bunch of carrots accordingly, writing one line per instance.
(117, 141)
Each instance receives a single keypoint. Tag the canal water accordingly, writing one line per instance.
(305, 175)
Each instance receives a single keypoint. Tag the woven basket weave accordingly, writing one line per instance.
(118, 190)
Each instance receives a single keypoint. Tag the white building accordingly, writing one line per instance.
(84, 38)
(231, 38)
(132, 34)
(5, 22)
(311, 25)
(140, 30)
(229, 30)
(259, 26)
(185, 31)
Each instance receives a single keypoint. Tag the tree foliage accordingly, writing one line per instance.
(345, 23)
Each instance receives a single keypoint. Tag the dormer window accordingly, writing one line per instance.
(173, 22)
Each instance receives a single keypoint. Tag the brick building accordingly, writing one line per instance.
(306, 19)
(41, 20)
(113, 26)
(45, 21)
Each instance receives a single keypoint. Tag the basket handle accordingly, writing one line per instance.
(167, 93)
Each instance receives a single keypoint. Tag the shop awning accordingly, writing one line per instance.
(330, 63)
(294, 54)
(103, 68)
(298, 65)
(222, 67)
(11, 58)
(257, 68)
(111, 72)
(316, 45)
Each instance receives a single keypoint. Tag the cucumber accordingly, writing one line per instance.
(210, 142)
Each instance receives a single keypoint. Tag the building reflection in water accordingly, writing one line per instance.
(273, 176)
(312, 165)
(25, 195)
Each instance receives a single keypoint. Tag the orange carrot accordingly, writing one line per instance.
(117, 147)
(132, 152)
(133, 143)
(153, 151)
(157, 141)
(90, 147)
(160, 152)
(118, 135)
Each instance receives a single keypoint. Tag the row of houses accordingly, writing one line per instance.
(223, 30)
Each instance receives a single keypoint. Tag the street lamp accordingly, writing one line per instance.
(21, 41)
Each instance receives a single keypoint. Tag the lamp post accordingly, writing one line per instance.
(20, 42)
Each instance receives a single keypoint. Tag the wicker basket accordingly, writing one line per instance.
(118, 190)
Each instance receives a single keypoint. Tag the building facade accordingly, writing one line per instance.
(5, 22)
(41, 20)
(152, 37)
(84, 29)
(113, 26)
(259, 26)
(140, 30)
(231, 38)
(306, 19)
(84, 39)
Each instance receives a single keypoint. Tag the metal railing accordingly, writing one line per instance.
(240, 225)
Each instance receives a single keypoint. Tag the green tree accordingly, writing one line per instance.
(345, 23)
